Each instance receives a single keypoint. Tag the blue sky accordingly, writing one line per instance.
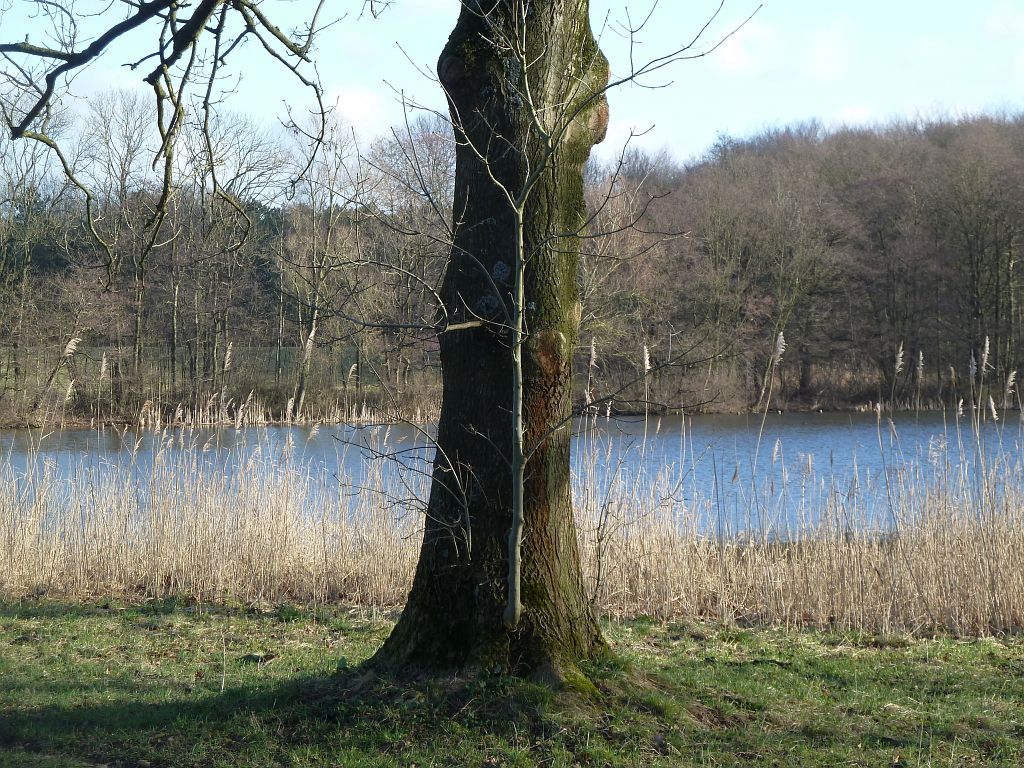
(840, 61)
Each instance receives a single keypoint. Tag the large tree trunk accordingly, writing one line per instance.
(454, 615)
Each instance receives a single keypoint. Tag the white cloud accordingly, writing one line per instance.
(857, 114)
(827, 58)
(431, 6)
(369, 111)
(1017, 71)
(753, 50)
(108, 76)
(1005, 20)
(638, 133)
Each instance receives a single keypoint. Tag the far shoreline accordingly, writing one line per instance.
(148, 421)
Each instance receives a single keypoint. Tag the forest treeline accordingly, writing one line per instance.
(287, 277)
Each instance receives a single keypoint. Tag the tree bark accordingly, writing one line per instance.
(523, 135)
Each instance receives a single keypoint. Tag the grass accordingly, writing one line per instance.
(168, 684)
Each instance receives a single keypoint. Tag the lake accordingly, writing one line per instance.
(721, 474)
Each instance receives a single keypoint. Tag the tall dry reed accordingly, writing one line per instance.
(237, 526)
(938, 549)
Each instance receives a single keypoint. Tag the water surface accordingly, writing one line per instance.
(723, 474)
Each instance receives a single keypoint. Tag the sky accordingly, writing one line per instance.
(842, 62)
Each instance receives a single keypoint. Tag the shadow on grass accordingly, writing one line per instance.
(55, 609)
(349, 716)
(755, 705)
(354, 719)
(69, 609)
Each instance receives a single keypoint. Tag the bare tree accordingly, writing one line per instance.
(499, 582)
(33, 202)
(119, 148)
(231, 171)
(318, 254)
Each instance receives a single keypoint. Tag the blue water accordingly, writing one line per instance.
(723, 474)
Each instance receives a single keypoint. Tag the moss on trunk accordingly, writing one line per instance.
(517, 131)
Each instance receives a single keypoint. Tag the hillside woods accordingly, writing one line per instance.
(289, 284)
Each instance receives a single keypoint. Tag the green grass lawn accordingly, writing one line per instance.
(168, 685)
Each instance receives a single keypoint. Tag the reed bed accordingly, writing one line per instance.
(937, 550)
(219, 410)
(187, 521)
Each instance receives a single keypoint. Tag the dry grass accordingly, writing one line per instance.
(948, 574)
(942, 555)
(180, 523)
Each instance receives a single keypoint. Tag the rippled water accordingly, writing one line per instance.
(726, 474)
